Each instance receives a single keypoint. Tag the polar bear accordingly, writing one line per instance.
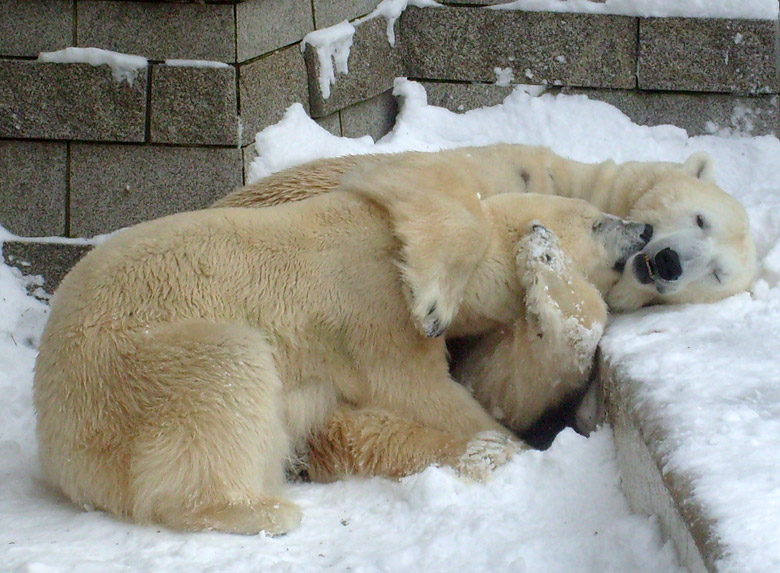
(701, 251)
(187, 358)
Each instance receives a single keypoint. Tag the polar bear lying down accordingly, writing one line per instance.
(186, 358)
(701, 251)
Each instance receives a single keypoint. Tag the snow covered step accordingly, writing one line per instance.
(649, 489)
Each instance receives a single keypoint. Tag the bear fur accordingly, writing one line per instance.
(705, 226)
(186, 359)
(701, 251)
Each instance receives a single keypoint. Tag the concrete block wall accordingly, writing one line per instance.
(84, 153)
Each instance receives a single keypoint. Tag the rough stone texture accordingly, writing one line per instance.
(159, 31)
(690, 54)
(70, 101)
(649, 490)
(331, 12)
(373, 66)
(374, 117)
(52, 21)
(113, 186)
(266, 25)
(33, 179)
(698, 114)
(331, 123)
(50, 260)
(194, 105)
(464, 97)
(540, 48)
(269, 86)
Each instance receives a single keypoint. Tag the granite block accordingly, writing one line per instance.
(50, 260)
(374, 117)
(159, 31)
(266, 25)
(331, 123)
(194, 105)
(373, 66)
(709, 55)
(460, 97)
(270, 85)
(467, 44)
(33, 179)
(331, 12)
(52, 21)
(70, 101)
(113, 186)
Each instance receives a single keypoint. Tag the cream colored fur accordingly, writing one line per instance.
(186, 359)
(516, 370)
(669, 196)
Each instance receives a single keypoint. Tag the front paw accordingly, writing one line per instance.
(486, 452)
(431, 312)
(432, 324)
(539, 249)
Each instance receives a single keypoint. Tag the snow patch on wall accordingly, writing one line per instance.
(124, 67)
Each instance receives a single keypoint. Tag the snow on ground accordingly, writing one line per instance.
(708, 369)
(749, 9)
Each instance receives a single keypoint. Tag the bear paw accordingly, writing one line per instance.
(484, 453)
(432, 312)
(539, 250)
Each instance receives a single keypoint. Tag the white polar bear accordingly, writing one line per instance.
(185, 359)
(701, 251)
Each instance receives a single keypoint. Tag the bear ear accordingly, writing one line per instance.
(701, 165)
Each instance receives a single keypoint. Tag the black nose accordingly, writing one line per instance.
(647, 234)
(667, 264)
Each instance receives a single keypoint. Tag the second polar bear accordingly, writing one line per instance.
(186, 358)
(701, 249)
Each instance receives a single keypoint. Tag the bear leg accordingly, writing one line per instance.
(211, 449)
(373, 442)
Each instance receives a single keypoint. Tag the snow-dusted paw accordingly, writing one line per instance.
(539, 250)
(484, 453)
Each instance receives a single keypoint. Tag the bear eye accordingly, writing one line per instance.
(718, 275)
(700, 222)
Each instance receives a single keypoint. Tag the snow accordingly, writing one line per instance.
(196, 63)
(745, 9)
(124, 67)
(333, 44)
(708, 371)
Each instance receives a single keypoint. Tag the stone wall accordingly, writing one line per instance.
(82, 153)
